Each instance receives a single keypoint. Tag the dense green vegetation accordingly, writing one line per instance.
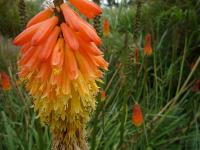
(161, 83)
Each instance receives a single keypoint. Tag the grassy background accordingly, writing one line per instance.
(161, 84)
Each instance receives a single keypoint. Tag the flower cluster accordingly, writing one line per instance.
(61, 65)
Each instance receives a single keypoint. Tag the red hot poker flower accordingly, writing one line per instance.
(148, 47)
(137, 116)
(61, 63)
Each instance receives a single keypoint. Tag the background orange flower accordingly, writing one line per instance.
(148, 47)
(106, 28)
(4, 81)
(137, 116)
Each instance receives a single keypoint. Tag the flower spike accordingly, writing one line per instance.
(61, 64)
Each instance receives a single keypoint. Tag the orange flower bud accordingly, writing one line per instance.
(103, 95)
(196, 86)
(118, 65)
(192, 65)
(137, 116)
(106, 28)
(136, 56)
(148, 47)
(4, 81)
(86, 7)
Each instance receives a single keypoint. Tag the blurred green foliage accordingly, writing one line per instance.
(9, 16)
